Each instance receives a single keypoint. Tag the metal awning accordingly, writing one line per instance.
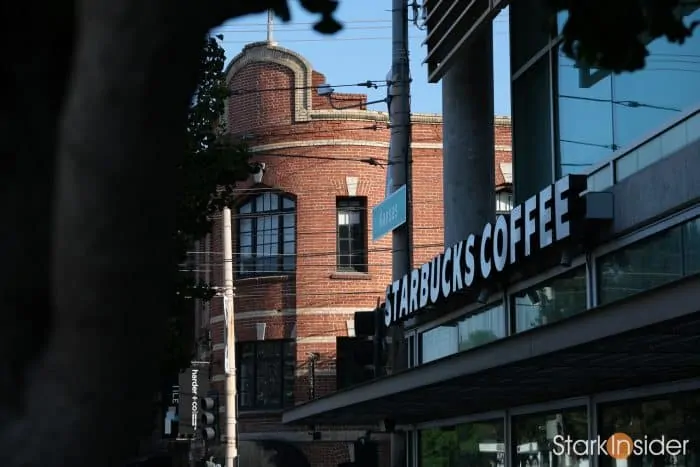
(650, 338)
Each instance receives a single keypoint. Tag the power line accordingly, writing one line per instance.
(371, 83)
(246, 28)
(339, 39)
(323, 254)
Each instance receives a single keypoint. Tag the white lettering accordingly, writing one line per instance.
(195, 397)
(435, 267)
(545, 217)
(559, 445)
(561, 208)
(446, 278)
(469, 261)
(484, 261)
(387, 306)
(500, 243)
(403, 309)
(457, 274)
(530, 224)
(516, 235)
(396, 288)
(424, 284)
(413, 298)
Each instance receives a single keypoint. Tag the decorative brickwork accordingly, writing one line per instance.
(313, 304)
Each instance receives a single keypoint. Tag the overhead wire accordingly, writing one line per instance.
(371, 84)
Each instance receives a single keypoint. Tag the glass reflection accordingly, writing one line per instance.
(691, 250)
(599, 112)
(532, 137)
(559, 298)
(675, 417)
(473, 330)
(537, 439)
(478, 444)
(653, 262)
(585, 116)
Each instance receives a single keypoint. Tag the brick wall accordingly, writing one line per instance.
(314, 304)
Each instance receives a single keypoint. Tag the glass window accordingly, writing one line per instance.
(673, 418)
(479, 444)
(536, 438)
(649, 99)
(530, 31)
(266, 374)
(352, 234)
(585, 95)
(532, 137)
(652, 262)
(620, 110)
(472, 330)
(266, 235)
(691, 246)
(504, 202)
(556, 299)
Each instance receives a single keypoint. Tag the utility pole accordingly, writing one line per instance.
(400, 167)
(230, 346)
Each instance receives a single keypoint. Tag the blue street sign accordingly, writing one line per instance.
(389, 214)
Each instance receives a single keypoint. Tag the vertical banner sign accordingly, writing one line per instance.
(194, 384)
(171, 404)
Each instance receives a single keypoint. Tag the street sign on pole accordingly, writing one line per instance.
(389, 214)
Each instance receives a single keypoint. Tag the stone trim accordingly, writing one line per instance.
(257, 314)
(303, 72)
(350, 142)
(303, 82)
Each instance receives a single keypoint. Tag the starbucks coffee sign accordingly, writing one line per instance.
(535, 225)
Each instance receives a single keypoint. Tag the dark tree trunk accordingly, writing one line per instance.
(95, 95)
(91, 130)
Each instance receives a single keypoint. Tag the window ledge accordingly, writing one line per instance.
(351, 276)
(244, 280)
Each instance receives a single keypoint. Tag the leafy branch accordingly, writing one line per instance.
(615, 35)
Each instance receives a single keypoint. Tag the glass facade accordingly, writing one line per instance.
(619, 110)
(586, 114)
(472, 330)
(652, 262)
(536, 437)
(662, 431)
(467, 445)
(553, 300)
(673, 419)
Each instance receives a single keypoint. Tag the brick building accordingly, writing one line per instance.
(304, 260)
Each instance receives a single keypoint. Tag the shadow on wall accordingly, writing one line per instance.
(270, 454)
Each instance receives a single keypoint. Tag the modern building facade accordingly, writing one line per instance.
(304, 258)
(576, 316)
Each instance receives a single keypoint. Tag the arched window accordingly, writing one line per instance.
(267, 235)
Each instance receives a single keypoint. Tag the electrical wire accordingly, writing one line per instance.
(325, 254)
(386, 39)
(283, 26)
(372, 83)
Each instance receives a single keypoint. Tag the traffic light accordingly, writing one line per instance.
(210, 417)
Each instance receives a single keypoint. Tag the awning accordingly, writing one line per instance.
(650, 338)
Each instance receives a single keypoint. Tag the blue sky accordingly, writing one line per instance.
(362, 51)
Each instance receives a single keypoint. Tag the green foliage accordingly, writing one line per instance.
(208, 170)
(614, 34)
(326, 25)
